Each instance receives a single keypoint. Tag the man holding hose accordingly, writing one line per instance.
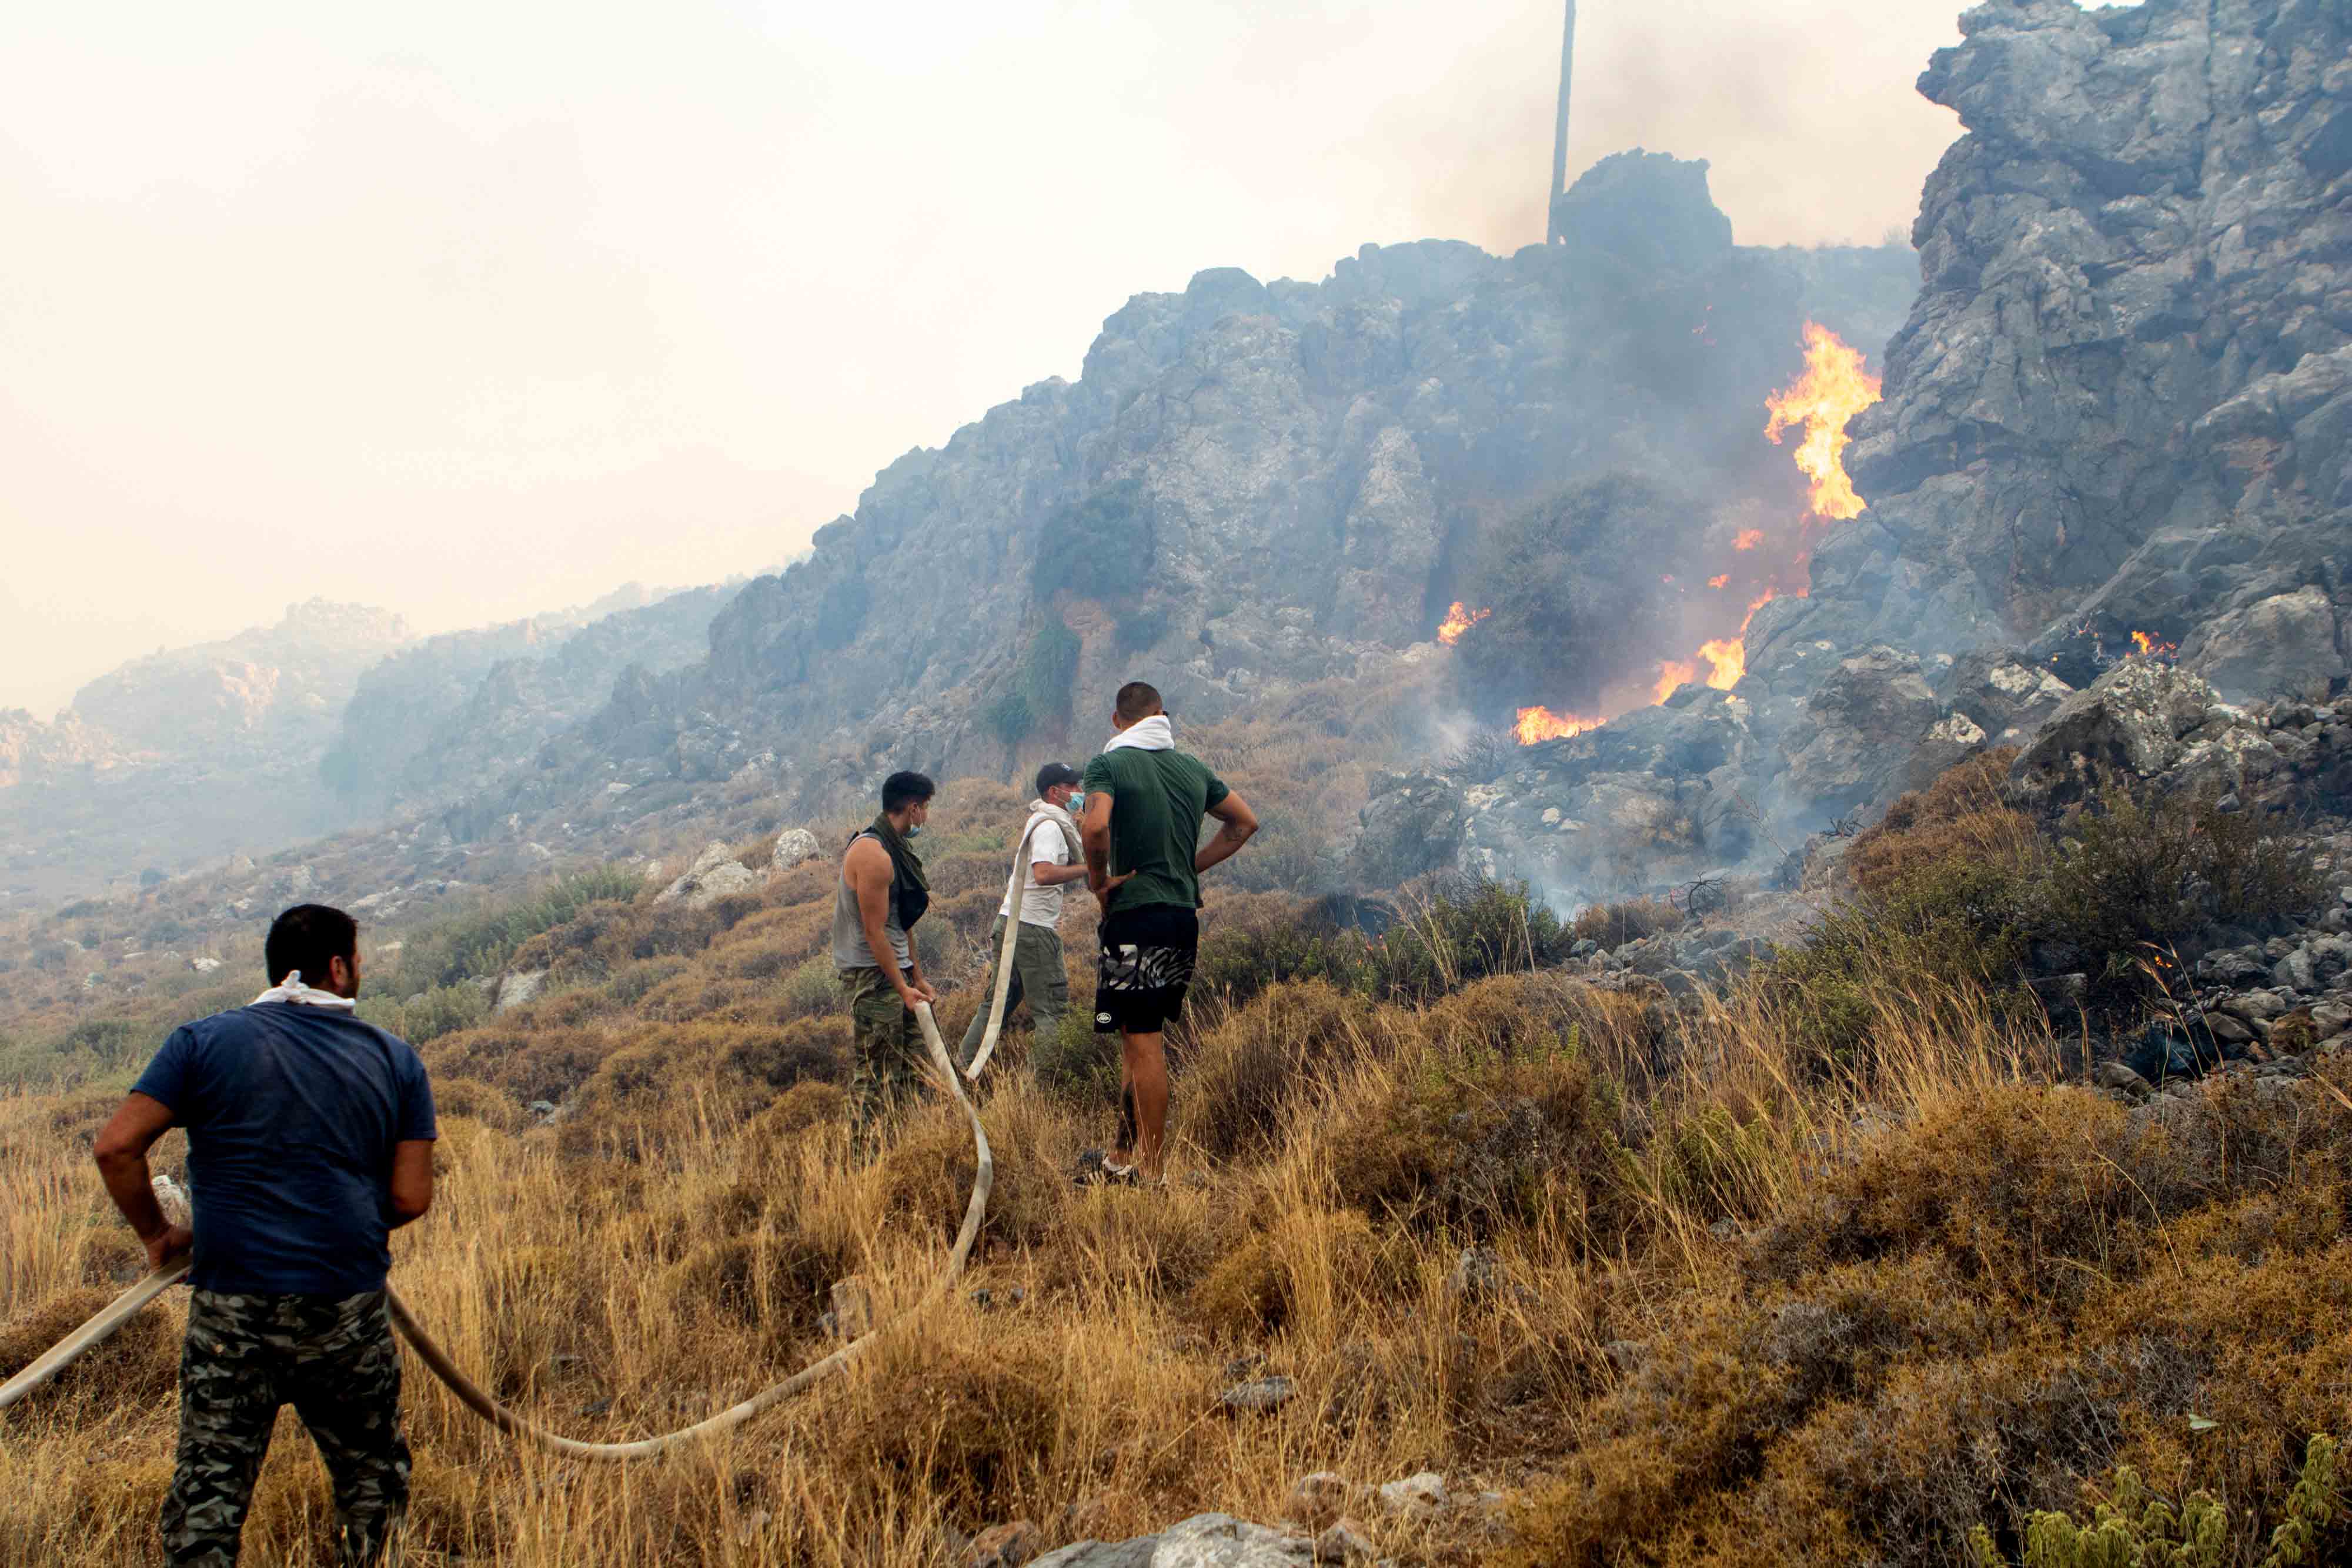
(1051, 837)
(1144, 804)
(310, 1139)
(883, 892)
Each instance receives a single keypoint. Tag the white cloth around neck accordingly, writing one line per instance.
(1156, 733)
(292, 990)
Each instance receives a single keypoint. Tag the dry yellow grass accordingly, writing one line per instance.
(1741, 1301)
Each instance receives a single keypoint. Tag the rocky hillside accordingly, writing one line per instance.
(1251, 486)
(445, 716)
(185, 753)
(335, 714)
(2122, 406)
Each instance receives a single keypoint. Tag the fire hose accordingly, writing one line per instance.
(128, 1304)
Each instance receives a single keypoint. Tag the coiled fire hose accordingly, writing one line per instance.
(128, 1305)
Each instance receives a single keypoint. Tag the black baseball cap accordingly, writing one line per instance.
(1054, 773)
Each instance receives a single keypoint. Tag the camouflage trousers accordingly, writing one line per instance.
(887, 1050)
(335, 1362)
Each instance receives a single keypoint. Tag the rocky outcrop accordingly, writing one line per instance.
(2124, 399)
(270, 688)
(1250, 486)
(2121, 404)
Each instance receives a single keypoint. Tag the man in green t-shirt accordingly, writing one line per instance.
(1145, 801)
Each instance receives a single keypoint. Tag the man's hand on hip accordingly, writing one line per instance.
(167, 1244)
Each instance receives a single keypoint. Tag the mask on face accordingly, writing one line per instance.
(1076, 804)
(914, 831)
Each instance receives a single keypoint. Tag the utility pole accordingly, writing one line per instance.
(1552, 234)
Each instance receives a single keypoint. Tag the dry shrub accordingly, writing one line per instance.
(1478, 1141)
(527, 1062)
(927, 1173)
(808, 1105)
(972, 1429)
(1266, 1062)
(1976, 1315)
(778, 1278)
(130, 1372)
(455, 1095)
(1614, 925)
(1257, 1289)
(1964, 811)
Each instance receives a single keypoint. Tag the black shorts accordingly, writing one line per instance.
(1145, 968)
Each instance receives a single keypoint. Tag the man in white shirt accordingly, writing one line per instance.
(1055, 861)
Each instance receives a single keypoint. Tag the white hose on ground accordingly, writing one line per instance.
(1014, 885)
(123, 1308)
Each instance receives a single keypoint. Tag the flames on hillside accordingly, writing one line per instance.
(1766, 564)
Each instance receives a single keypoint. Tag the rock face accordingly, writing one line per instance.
(2124, 399)
(438, 719)
(2121, 404)
(1251, 485)
(185, 753)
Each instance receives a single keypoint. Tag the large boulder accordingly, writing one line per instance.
(715, 874)
(2148, 722)
(2288, 645)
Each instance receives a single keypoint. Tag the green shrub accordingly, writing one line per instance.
(1466, 929)
(480, 944)
(429, 1015)
(1100, 547)
(1614, 925)
(1075, 1061)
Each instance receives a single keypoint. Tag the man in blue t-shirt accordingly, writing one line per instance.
(310, 1141)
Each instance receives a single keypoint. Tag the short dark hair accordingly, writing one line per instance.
(1138, 699)
(903, 789)
(308, 938)
(1054, 773)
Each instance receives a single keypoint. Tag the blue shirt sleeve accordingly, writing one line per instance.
(169, 1078)
(417, 1123)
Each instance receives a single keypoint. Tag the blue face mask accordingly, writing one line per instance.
(914, 831)
(1077, 803)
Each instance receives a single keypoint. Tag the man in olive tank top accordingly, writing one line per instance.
(881, 894)
(1145, 801)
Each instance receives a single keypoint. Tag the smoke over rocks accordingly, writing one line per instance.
(2115, 429)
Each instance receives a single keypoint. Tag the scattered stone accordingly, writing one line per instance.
(2115, 1075)
(986, 1299)
(1415, 1497)
(712, 876)
(1263, 1396)
(2329, 1019)
(1221, 1540)
(1244, 1367)
(1012, 1545)
(1317, 1499)
(794, 845)
(853, 1308)
(1342, 1540)
(203, 966)
(1627, 1355)
(519, 987)
(2237, 1031)
(1477, 1272)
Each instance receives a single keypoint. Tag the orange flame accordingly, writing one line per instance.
(1457, 620)
(1833, 389)
(2149, 648)
(1673, 675)
(1542, 724)
(1751, 538)
(1718, 581)
(1729, 657)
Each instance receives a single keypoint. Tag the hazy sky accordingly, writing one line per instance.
(469, 311)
